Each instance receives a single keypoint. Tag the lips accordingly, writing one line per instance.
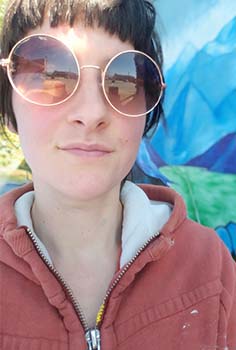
(87, 150)
(87, 147)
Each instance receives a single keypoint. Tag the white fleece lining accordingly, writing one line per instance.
(23, 214)
(142, 219)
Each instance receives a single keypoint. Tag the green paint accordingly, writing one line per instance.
(210, 197)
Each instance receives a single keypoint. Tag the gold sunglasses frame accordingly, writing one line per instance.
(5, 63)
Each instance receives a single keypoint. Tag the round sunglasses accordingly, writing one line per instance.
(45, 71)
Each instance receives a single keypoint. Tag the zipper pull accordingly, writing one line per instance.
(93, 339)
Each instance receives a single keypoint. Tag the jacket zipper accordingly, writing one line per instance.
(93, 339)
(61, 280)
(92, 336)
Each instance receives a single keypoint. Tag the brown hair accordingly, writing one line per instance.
(132, 20)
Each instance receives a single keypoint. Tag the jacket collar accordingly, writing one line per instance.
(156, 193)
(19, 244)
(8, 219)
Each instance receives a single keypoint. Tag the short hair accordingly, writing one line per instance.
(130, 20)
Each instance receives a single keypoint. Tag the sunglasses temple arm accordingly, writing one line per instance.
(163, 86)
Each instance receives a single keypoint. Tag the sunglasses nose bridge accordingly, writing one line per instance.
(94, 82)
(90, 66)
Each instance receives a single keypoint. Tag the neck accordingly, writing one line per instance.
(73, 228)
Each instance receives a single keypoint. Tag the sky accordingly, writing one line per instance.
(191, 21)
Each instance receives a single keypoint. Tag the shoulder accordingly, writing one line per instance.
(197, 248)
(205, 257)
(190, 234)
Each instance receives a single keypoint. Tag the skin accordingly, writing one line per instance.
(77, 197)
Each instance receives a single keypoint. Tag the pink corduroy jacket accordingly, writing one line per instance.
(178, 293)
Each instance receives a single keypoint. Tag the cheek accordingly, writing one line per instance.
(33, 130)
(29, 118)
(133, 130)
(132, 134)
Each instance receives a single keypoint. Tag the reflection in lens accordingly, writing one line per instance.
(132, 83)
(44, 70)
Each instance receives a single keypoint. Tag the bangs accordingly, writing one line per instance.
(111, 15)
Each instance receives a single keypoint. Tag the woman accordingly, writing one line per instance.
(88, 259)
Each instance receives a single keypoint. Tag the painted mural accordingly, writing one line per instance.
(196, 152)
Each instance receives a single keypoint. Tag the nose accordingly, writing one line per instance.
(89, 108)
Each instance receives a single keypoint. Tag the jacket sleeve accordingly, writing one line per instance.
(227, 324)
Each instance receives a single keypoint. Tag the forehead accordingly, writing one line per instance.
(92, 42)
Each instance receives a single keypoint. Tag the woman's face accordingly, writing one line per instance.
(82, 147)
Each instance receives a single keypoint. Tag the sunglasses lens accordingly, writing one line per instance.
(133, 83)
(43, 70)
